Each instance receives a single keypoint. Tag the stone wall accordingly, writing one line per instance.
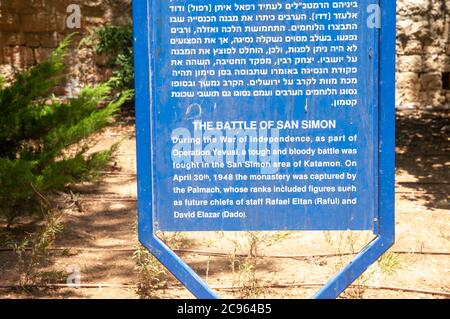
(30, 29)
(423, 53)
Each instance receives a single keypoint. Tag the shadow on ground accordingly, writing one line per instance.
(108, 214)
(423, 150)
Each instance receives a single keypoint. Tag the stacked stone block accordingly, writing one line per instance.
(31, 29)
(423, 53)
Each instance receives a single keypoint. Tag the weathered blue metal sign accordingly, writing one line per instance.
(267, 115)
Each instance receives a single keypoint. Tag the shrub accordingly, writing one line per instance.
(36, 129)
(117, 43)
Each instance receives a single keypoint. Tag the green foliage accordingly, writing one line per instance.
(389, 263)
(152, 275)
(37, 129)
(117, 43)
(33, 248)
(18, 109)
(244, 269)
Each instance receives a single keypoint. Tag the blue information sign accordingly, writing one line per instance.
(264, 115)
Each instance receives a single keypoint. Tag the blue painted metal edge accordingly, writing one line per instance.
(386, 149)
(144, 135)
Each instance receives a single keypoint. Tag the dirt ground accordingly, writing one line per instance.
(99, 236)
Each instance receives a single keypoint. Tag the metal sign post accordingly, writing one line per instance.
(264, 116)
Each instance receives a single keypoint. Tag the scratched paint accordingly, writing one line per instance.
(264, 115)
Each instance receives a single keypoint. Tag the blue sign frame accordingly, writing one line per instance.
(145, 140)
